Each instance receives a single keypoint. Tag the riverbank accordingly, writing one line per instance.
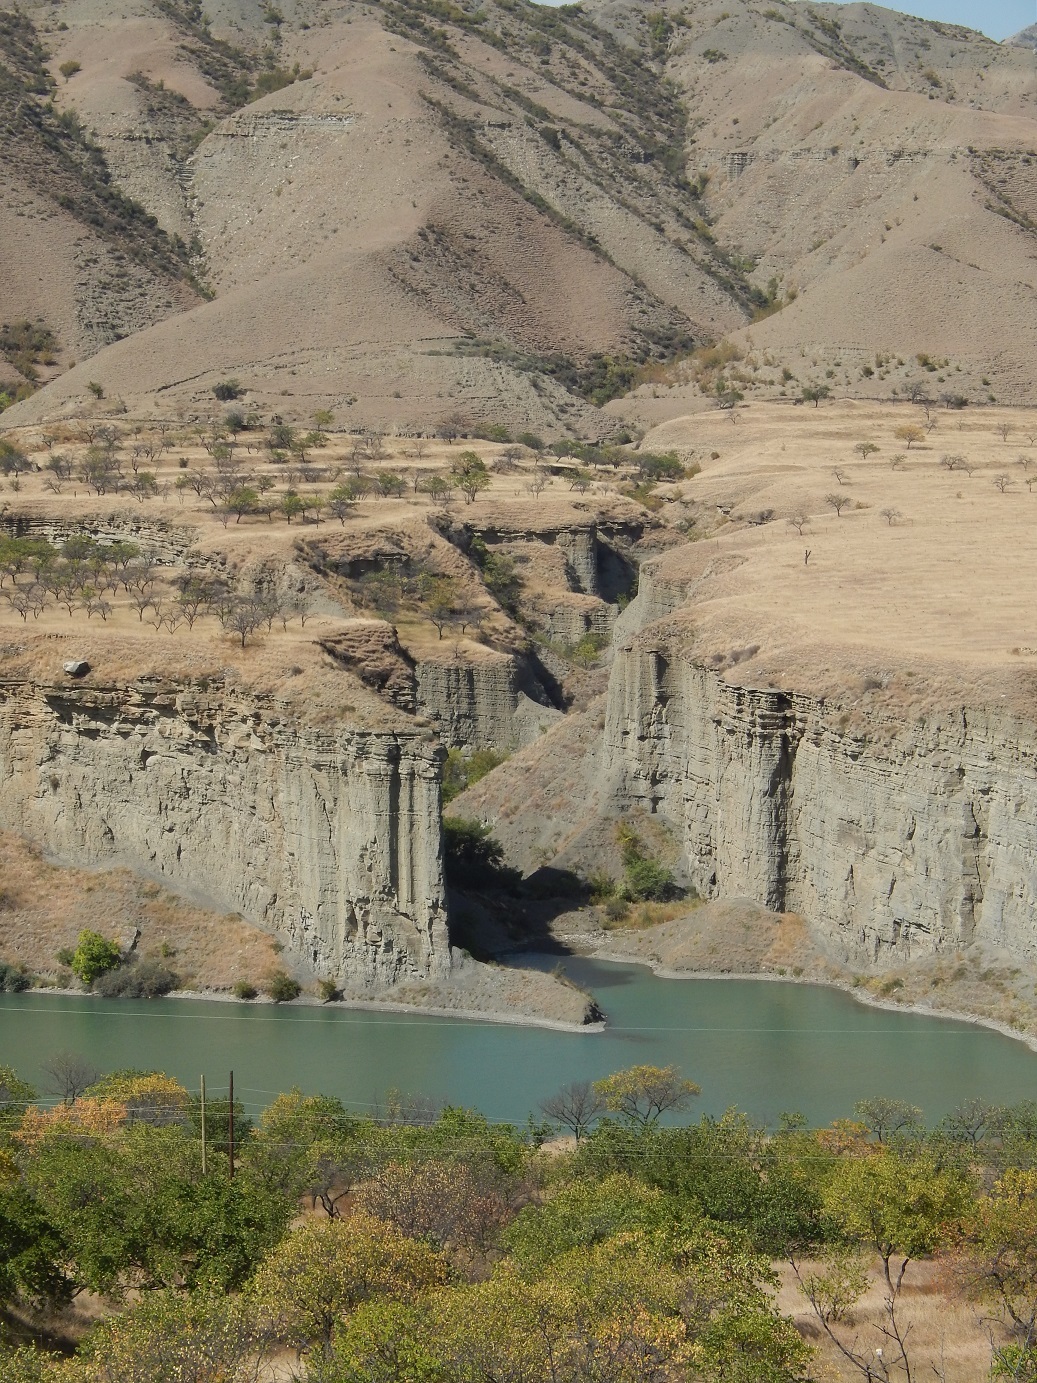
(967, 986)
(474, 991)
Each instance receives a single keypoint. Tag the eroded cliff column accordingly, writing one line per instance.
(330, 837)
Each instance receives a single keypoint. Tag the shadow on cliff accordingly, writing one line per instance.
(489, 924)
(492, 908)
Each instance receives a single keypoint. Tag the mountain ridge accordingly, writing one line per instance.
(514, 215)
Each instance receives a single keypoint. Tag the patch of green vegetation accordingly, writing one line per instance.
(644, 878)
(27, 345)
(463, 770)
(598, 378)
(473, 858)
(92, 957)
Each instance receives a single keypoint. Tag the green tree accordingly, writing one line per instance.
(170, 1337)
(134, 1210)
(642, 1094)
(441, 597)
(900, 1207)
(886, 1118)
(322, 1271)
(472, 857)
(93, 955)
(15, 1097)
(586, 1212)
(241, 501)
(995, 1258)
(33, 1253)
(470, 475)
(435, 486)
(341, 502)
(644, 877)
(308, 1145)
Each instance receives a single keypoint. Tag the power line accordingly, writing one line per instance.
(967, 1029)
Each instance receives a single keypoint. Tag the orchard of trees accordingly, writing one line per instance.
(84, 575)
(429, 1245)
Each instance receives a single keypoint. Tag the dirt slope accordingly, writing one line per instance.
(502, 212)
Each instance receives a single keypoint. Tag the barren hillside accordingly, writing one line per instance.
(513, 215)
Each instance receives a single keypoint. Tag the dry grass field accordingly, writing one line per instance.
(926, 571)
(44, 906)
(947, 1340)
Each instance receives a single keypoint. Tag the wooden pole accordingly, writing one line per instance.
(205, 1166)
(230, 1126)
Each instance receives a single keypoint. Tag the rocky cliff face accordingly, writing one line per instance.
(892, 834)
(329, 837)
(494, 704)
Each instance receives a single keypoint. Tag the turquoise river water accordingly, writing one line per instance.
(762, 1046)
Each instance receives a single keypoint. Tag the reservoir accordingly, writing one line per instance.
(761, 1046)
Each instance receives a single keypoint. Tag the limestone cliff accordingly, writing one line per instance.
(893, 833)
(329, 837)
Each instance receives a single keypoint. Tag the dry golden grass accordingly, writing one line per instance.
(43, 907)
(936, 599)
(948, 1339)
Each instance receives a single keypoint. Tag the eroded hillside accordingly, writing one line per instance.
(512, 214)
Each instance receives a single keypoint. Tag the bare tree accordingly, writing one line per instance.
(890, 515)
(70, 1074)
(837, 502)
(242, 617)
(798, 521)
(1002, 483)
(898, 460)
(575, 1107)
(1002, 430)
(886, 1118)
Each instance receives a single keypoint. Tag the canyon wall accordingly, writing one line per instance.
(330, 838)
(893, 832)
(493, 704)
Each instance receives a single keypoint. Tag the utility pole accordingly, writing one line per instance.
(205, 1167)
(230, 1126)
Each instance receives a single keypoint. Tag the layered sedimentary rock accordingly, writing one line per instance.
(496, 703)
(330, 837)
(893, 833)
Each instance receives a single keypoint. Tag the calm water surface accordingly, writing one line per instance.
(762, 1046)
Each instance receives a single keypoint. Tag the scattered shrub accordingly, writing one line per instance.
(645, 878)
(463, 771)
(472, 858)
(328, 991)
(617, 910)
(243, 990)
(146, 979)
(227, 390)
(282, 988)
(13, 978)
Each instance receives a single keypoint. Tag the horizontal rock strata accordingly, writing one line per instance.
(331, 837)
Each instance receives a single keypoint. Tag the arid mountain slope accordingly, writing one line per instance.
(503, 212)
